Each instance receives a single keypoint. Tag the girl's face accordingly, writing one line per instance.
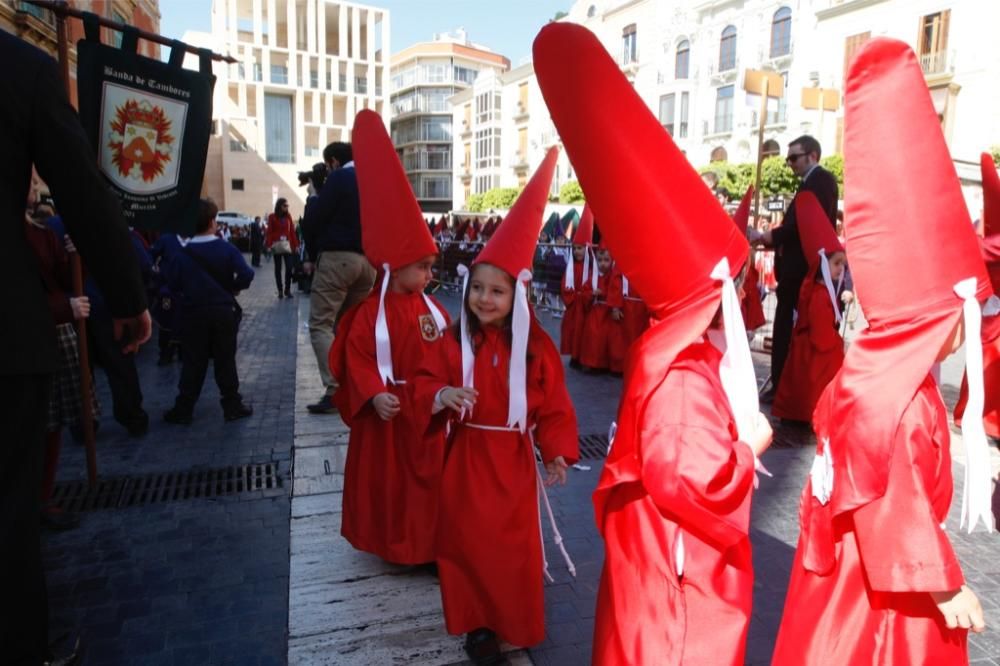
(413, 278)
(603, 261)
(491, 294)
(578, 252)
(838, 262)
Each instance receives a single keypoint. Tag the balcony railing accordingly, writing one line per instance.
(938, 62)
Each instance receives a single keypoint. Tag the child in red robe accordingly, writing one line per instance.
(990, 246)
(496, 387)
(594, 352)
(616, 336)
(751, 306)
(392, 472)
(817, 350)
(577, 290)
(673, 500)
(875, 578)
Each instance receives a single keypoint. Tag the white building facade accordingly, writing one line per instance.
(306, 68)
(502, 133)
(688, 59)
(424, 77)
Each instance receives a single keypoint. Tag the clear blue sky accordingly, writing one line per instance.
(507, 27)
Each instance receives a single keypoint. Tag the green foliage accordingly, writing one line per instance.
(777, 178)
(474, 203)
(571, 193)
(734, 179)
(500, 197)
(560, 15)
(835, 165)
(995, 151)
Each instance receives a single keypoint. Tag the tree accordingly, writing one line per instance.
(777, 178)
(500, 197)
(474, 204)
(835, 165)
(734, 179)
(560, 15)
(995, 151)
(571, 193)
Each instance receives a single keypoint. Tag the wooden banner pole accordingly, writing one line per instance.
(760, 147)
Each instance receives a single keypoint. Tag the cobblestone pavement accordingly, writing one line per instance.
(201, 581)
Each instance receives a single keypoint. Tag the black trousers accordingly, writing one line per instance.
(123, 379)
(24, 606)
(289, 261)
(209, 333)
(255, 253)
(781, 336)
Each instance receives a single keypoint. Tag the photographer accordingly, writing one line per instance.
(342, 275)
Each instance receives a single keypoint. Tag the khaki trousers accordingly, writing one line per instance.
(340, 280)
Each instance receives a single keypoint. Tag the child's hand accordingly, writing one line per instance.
(960, 609)
(556, 471)
(762, 435)
(459, 398)
(598, 292)
(386, 405)
(616, 314)
(80, 306)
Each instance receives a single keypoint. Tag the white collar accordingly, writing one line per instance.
(349, 165)
(203, 239)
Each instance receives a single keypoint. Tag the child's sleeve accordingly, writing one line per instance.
(692, 467)
(903, 547)
(616, 290)
(360, 365)
(823, 333)
(568, 295)
(556, 432)
(441, 366)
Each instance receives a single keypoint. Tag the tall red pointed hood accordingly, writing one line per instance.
(911, 241)
(512, 246)
(742, 215)
(991, 195)
(665, 229)
(815, 231)
(651, 185)
(393, 230)
(585, 232)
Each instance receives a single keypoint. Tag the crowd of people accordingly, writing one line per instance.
(450, 419)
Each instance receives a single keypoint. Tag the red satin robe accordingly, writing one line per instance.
(594, 341)
(393, 471)
(617, 335)
(873, 606)
(991, 380)
(816, 354)
(751, 305)
(696, 485)
(489, 550)
(577, 301)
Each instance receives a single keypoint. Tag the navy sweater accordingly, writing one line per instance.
(332, 220)
(207, 273)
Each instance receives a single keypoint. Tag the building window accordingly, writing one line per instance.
(719, 155)
(780, 114)
(724, 109)
(465, 75)
(667, 112)
(361, 85)
(522, 98)
(487, 107)
(727, 49)
(279, 74)
(933, 42)
(313, 79)
(116, 36)
(238, 185)
(682, 127)
(258, 72)
(278, 128)
(682, 64)
(435, 187)
(629, 51)
(781, 32)
(852, 45)
(487, 148)
(238, 145)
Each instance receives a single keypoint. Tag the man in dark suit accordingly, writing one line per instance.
(256, 241)
(790, 266)
(38, 126)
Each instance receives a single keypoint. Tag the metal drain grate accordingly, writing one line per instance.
(593, 447)
(117, 493)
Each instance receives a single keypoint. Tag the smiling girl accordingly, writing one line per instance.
(496, 387)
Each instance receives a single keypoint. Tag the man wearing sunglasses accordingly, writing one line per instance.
(790, 266)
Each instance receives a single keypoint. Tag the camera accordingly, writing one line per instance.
(316, 176)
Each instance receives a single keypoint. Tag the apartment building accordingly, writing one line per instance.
(38, 26)
(306, 67)
(503, 133)
(424, 77)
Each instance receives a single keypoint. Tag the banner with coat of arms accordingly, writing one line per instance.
(149, 123)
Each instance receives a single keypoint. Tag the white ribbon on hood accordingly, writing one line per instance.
(736, 369)
(383, 345)
(570, 281)
(624, 285)
(593, 270)
(468, 356)
(517, 408)
(824, 264)
(977, 494)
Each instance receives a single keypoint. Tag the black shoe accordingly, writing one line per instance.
(237, 412)
(483, 648)
(177, 417)
(324, 406)
(138, 425)
(74, 656)
(288, 292)
(57, 520)
(281, 294)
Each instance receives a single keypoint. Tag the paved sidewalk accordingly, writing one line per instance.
(196, 581)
